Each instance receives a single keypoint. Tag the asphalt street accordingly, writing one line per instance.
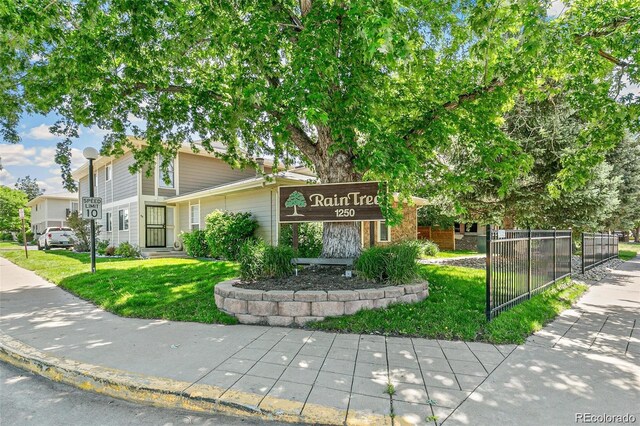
(27, 399)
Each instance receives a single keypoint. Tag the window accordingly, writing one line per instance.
(74, 207)
(107, 173)
(195, 217)
(109, 222)
(123, 219)
(384, 234)
(36, 207)
(161, 175)
(95, 181)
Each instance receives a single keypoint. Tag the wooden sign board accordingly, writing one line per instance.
(336, 202)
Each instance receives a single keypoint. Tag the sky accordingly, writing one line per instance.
(35, 155)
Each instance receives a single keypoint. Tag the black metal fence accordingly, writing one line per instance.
(521, 263)
(597, 249)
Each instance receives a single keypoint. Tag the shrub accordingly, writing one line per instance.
(20, 238)
(277, 261)
(101, 247)
(425, 247)
(6, 236)
(127, 249)
(110, 251)
(309, 238)
(226, 232)
(82, 230)
(195, 243)
(395, 263)
(259, 260)
(251, 260)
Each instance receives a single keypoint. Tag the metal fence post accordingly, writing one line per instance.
(488, 274)
(570, 252)
(554, 255)
(529, 264)
(583, 253)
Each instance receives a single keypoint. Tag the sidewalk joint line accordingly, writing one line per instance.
(413, 345)
(304, 405)
(353, 379)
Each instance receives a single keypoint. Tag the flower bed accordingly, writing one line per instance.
(288, 307)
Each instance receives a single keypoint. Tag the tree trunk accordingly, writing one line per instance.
(636, 234)
(339, 239)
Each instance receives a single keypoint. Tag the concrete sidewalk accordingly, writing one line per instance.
(317, 377)
(586, 361)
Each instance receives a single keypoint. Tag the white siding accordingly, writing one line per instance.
(197, 172)
(125, 185)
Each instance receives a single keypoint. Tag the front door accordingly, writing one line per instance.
(156, 226)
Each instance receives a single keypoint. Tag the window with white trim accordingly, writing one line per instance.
(195, 217)
(107, 173)
(109, 222)
(161, 175)
(384, 233)
(123, 219)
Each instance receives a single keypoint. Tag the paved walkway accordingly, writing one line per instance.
(586, 359)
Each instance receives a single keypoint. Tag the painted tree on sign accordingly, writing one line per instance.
(295, 200)
(359, 90)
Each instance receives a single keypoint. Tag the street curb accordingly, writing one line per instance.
(173, 394)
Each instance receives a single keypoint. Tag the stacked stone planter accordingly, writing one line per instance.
(288, 307)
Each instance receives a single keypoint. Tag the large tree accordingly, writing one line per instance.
(29, 186)
(358, 89)
(11, 201)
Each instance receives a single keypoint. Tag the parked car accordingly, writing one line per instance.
(56, 237)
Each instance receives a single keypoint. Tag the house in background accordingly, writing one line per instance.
(51, 210)
(144, 209)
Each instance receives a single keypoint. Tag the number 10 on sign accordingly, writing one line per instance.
(92, 207)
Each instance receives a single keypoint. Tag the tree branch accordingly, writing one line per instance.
(451, 105)
(613, 59)
(171, 88)
(609, 29)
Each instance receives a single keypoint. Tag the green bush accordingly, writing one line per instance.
(226, 232)
(101, 247)
(20, 238)
(6, 236)
(425, 247)
(195, 243)
(395, 263)
(309, 238)
(277, 261)
(259, 260)
(127, 249)
(251, 260)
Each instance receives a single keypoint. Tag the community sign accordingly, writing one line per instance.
(338, 202)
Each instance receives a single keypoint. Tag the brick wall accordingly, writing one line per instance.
(406, 230)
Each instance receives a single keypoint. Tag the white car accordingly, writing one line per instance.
(56, 237)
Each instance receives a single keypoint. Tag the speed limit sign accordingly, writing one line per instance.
(92, 207)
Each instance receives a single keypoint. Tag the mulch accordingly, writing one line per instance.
(314, 278)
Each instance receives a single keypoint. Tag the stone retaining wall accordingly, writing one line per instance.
(287, 307)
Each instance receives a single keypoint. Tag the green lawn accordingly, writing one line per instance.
(627, 251)
(445, 254)
(171, 289)
(10, 245)
(454, 310)
(182, 290)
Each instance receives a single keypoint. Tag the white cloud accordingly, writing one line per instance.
(16, 155)
(556, 8)
(6, 178)
(40, 132)
(136, 121)
(95, 130)
(46, 157)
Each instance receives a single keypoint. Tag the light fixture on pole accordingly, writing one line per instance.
(91, 154)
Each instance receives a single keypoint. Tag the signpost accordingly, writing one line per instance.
(336, 202)
(24, 233)
(348, 202)
(92, 207)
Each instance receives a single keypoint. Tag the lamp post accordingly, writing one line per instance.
(91, 154)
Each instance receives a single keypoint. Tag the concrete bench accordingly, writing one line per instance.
(323, 261)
